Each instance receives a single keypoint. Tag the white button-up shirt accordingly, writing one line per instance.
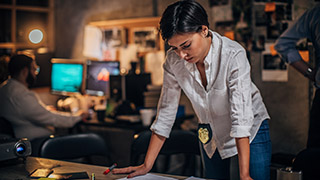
(230, 103)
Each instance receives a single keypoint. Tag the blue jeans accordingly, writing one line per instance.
(260, 158)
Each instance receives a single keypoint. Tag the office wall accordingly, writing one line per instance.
(287, 102)
(71, 16)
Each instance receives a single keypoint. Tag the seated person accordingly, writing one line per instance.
(4, 68)
(23, 109)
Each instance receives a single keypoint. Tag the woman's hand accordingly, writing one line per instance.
(156, 142)
(133, 170)
(245, 178)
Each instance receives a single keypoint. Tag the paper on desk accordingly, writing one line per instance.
(194, 178)
(150, 177)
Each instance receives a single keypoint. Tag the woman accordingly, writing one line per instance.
(214, 73)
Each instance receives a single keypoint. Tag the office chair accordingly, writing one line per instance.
(307, 161)
(74, 147)
(6, 129)
(180, 142)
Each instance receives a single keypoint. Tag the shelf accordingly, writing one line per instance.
(127, 23)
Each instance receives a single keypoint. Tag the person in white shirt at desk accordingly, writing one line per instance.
(23, 109)
(214, 73)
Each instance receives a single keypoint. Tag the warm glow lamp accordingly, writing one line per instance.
(35, 36)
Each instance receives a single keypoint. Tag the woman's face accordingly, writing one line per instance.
(192, 47)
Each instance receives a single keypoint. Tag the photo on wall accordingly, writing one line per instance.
(260, 15)
(276, 29)
(112, 40)
(218, 2)
(277, 20)
(115, 37)
(273, 68)
(145, 38)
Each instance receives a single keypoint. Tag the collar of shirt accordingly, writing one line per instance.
(208, 63)
(17, 83)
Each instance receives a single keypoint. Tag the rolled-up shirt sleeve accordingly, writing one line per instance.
(167, 105)
(239, 83)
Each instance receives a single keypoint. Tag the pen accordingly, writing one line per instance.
(92, 176)
(110, 169)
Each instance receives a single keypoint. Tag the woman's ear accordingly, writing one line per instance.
(205, 31)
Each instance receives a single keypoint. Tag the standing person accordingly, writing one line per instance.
(307, 26)
(23, 109)
(214, 73)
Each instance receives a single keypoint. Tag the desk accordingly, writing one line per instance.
(20, 171)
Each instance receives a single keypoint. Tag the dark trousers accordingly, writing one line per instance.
(314, 122)
(260, 158)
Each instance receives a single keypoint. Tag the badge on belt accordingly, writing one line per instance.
(204, 133)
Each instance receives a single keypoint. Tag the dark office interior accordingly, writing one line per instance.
(115, 54)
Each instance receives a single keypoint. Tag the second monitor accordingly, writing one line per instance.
(98, 76)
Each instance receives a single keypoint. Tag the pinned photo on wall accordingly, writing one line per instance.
(274, 30)
(273, 68)
(223, 27)
(222, 13)
(145, 38)
(260, 15)
(114, 37)
(259, 43)
(278, 16)
(284, 1)
(218, 2)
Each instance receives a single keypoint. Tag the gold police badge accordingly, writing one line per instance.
(203, 135)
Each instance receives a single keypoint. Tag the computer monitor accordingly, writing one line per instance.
(66, 76)
(98, 76)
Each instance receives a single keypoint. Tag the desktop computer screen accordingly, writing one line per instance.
(98, 76)
(66, 77)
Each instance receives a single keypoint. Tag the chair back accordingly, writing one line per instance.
(179, 142)
(73, 146)
(6, 128)
(307, 161)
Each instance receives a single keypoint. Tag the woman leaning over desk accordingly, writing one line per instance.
(214, 73)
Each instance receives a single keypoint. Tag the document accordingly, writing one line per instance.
(194, 178)
(150, 177)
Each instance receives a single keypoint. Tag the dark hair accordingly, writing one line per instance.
(18, 62)
(182, 17)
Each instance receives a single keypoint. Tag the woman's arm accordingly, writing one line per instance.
(240, 89)
(243, 148)
(156, 142)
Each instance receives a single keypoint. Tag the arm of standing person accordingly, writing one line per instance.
(241, 108)
(307, 26)
(305, 69)
(243, 148)
(156, 143)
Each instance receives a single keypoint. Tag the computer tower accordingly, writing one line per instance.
(133, 86)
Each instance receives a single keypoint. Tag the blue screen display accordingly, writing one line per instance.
(66, 77)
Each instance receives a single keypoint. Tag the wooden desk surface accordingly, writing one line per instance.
(20, 171)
